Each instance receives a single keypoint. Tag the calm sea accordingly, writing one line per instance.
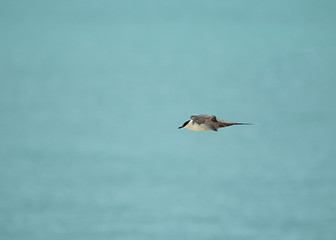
(92, 93)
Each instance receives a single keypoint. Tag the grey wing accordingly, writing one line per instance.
(223, 123)
(210, 124)
(202, 118)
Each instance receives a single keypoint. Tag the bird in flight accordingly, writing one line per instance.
(205, 122)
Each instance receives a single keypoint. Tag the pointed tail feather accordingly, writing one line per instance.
(227, 124)
(241, 124)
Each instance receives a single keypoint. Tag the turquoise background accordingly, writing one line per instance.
(92, 93)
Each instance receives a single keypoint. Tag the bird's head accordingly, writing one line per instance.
(184, 124)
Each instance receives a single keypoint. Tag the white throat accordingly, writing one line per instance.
(195, 126)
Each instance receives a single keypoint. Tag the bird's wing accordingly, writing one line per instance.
(202, 118)
(210, 124)
(223, 121)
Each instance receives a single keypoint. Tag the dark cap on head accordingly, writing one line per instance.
(184, 124)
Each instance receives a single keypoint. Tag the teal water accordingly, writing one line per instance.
(92, 93)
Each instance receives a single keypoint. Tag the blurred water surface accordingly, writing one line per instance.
(92, 93)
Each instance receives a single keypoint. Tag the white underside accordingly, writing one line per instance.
(195, 126)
